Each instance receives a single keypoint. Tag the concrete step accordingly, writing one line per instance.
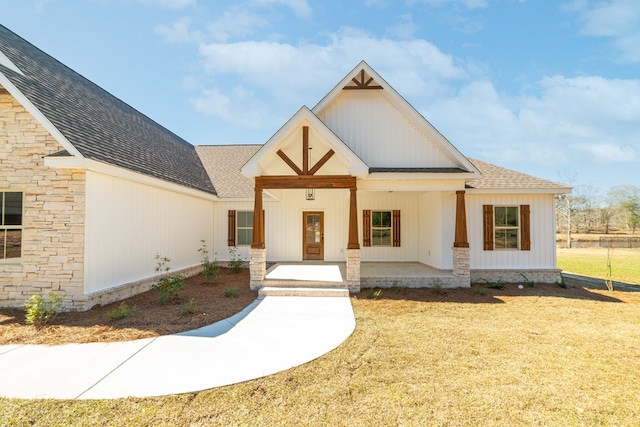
(291, 291)
(287, 283)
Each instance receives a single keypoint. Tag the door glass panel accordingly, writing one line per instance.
(313, 229)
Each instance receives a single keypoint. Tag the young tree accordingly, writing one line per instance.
(632, 208)
(625, 202)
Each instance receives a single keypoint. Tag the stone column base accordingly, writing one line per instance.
(353, 270)
(461, 266)
(257, 268)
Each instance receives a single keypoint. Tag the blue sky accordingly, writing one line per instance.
(550, 88)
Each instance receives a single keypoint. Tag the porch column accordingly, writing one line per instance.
(353, 247)
(461, 265)
(258, 221)
(461, 240)
(258, 261)
(353, 220)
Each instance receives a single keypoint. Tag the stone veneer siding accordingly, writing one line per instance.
(257, 268)
(53, 212)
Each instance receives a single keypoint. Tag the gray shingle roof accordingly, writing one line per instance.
(100, 126)
(497, 177)
(223, 163)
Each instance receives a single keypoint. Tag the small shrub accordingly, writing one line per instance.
(527, 282)
(40, 311)
(374, 293)
(397, 289)
(438, 288)
(188, 307)
(561, 282)
(121, 312)
(493, 285)
(478, 289)
(210, 269)
(236, 263)
(167, 286)
(231, 292)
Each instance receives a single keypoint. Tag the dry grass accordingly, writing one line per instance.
(539, 356)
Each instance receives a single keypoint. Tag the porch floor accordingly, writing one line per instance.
(372, 274)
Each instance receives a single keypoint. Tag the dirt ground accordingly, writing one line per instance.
(150, 318)
(153, 319)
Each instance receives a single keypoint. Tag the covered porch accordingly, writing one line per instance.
(372, 275)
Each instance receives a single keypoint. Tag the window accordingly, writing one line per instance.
(381, 228)
(506, 227)
(245, 228)
(10, 227)
(240, 232)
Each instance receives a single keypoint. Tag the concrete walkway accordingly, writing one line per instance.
(271, 335)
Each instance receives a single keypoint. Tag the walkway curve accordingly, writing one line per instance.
(270, 335)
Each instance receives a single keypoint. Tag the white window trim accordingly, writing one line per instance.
(510, 227)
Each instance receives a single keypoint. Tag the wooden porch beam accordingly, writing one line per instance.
(305, 181)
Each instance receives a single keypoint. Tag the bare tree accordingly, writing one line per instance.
(565, 202)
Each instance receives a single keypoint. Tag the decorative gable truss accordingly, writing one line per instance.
(305, 157)
(364, 81)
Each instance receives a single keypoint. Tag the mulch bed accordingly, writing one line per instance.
(150, 318)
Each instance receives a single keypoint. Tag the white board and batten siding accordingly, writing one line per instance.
(283, 224)
(436, 227)
(542, 254)
(128, 222)
(381, 135)
(426, 233)
(410, 236)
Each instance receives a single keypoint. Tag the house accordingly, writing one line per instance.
(92, 190)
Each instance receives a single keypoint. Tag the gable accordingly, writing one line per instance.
(382, 128)
(380, 133)
(304, 146)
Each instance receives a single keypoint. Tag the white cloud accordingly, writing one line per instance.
(170, 4)
(41, 5)
(615, 19)
(285, 76)
(610, 153)
(471, 4)
(376, 3)
(405, 29)
(235, 22)
(299, 7)
(588, 119)
(178, 32)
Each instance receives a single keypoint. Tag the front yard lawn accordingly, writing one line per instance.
(542, 355)
(592, 262)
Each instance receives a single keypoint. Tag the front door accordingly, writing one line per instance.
(313, 235)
